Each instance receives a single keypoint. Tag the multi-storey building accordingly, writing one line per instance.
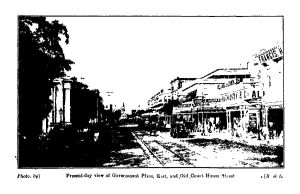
(252, 96)
(202, 98)
(178, 84)
(159, 99)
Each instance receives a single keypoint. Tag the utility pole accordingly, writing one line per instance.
(202, 111)
(203, 99)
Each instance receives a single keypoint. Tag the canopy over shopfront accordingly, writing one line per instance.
(184, 108)
(150, 114)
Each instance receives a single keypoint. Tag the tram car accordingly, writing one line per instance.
(179, 129)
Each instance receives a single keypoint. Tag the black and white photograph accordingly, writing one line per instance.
(141, 91)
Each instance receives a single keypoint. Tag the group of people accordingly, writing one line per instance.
(271, 131)
(207, 127)
(239, 129)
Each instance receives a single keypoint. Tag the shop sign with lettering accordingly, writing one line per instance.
(229, 83)
(199, 102)
(276, 106)
(233, 108)
(271, 54)
(255, 106)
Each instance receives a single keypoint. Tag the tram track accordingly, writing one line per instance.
(176, 153)
(159, 151)
(148, 148)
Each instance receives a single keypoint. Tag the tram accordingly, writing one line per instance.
(179, 127)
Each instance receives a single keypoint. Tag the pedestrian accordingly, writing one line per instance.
(213, 127)
(219, 126)
(153, 125)
(239, 129)
(234, 127)
(210, 126)
(271, 130)
(204, 128)
(278, 130)
(264, 132)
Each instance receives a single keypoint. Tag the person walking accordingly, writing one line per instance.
(271, 130)
(234, 127)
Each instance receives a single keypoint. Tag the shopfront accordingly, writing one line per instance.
(268, 65)
(275, 118)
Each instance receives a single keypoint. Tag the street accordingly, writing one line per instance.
(207, 112)
(138, 148)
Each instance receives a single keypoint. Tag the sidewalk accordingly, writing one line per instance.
(248, 139)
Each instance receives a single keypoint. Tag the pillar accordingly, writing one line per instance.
(267, 116)
(59, 103)
(228, 120)
(67, 102)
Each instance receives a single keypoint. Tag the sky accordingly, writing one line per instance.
(135, 57)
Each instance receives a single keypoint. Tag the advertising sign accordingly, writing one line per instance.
(271, 54)
(206, 102)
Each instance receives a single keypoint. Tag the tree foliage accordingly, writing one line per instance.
(41, 60)
(86, 104)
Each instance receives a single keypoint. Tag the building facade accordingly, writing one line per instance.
(159, 99)
(249, 97)
(178, 84)
(73, 104)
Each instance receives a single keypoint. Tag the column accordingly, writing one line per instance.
(59, 104)
(228, 120)
(267, 116)
(67, 102)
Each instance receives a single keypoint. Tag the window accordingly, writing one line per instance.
(179, 85)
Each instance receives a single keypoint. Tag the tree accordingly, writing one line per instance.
(117, 114)
(86, 104)
(41, 60)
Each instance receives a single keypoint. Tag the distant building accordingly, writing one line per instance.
(159, 99)
(109, 101)
(123, 112)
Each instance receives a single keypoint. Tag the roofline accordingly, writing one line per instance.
(198, 83)
(183, 78)
(223, 69)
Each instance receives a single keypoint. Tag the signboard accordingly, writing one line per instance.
(271, 54)
(206, 102)
(189, 105)
(191, 95)
(230, 83)
(233, 108)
